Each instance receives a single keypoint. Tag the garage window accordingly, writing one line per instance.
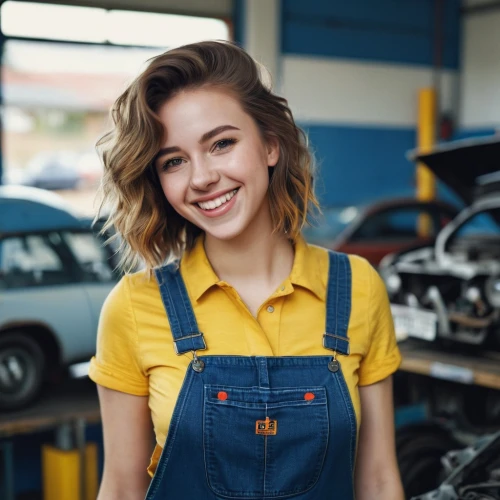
(63, 66)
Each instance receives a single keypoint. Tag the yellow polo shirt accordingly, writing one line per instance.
(135, 352)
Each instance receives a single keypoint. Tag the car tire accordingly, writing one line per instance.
(22, 364)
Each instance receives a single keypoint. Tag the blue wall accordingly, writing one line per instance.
(361, 162)
(374, 164)
(399, 31)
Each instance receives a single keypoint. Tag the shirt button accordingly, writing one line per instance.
(270, 309)
(283, 287)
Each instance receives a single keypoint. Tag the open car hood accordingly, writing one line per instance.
(461, 164)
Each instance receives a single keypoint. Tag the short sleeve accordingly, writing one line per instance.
(117, 362)
(382, 357)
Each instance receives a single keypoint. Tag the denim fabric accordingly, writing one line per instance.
(213, 450)
(338, 304)
(187, 336)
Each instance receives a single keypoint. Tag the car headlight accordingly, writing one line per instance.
(492, 290)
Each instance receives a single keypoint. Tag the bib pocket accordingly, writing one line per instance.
(264, 442)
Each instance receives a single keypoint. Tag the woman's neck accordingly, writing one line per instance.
(255, 256)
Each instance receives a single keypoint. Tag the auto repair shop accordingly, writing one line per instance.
(400, 102)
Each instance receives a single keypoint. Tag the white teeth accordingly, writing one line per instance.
(217, 202)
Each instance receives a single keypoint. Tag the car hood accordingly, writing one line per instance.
(461, 164)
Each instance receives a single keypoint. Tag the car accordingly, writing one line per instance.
(381, 228)
(54, 170)
(54, 277)
(450, 291)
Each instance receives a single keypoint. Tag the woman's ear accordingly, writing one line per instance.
(273, 151)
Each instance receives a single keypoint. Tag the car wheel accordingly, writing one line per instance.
(21, 370)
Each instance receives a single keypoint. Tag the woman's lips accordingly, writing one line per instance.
(219, 211)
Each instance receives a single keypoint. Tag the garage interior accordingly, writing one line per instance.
(396, 99)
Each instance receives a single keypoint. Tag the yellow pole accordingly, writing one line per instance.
(61, 473)
(426, 135)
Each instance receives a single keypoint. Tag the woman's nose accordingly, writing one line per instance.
(203, 174)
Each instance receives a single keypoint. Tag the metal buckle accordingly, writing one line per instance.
(197, 364)
(190, 337)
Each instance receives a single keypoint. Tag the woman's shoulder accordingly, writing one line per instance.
(366, 281)
(133, 288)
(362, 271)
(141, 281)
(367, 286)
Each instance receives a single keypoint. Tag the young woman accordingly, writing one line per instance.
(264, 363)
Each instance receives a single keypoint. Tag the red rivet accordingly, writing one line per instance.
(222, 395)
(308, 396)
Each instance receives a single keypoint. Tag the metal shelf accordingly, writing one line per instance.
(73, 400)
(72, 404)
(472, 368)
(77, 399)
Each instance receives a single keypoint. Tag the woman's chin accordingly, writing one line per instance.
(223, 234)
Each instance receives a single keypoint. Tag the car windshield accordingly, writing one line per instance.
(330, 224)
(478, 237)
(481, 224)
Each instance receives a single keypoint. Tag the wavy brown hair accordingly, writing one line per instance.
(149, 229)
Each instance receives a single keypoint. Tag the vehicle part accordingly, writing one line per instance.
(473, 473)
(457, 281)
(21, 370)
(419, 448)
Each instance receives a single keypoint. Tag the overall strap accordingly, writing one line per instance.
(187, 336)
(338, 303)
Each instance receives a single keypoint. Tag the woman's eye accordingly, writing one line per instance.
(224, 144)
(173, 162)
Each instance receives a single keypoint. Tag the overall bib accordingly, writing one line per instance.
(258, 427)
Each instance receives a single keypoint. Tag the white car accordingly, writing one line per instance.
(55, 274)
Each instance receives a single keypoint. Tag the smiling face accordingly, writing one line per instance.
(213, 164)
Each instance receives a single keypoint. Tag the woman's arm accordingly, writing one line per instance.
(128, 444)
(377, 474)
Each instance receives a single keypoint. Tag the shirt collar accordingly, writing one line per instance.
(306, 271)
(200, 276)
(197, 270)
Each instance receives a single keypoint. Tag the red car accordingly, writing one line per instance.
(381, 228)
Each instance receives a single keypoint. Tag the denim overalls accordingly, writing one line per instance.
(259, 427)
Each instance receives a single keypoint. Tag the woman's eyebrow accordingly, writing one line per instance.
(165, 151)
(216, 131)
(204, 138)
